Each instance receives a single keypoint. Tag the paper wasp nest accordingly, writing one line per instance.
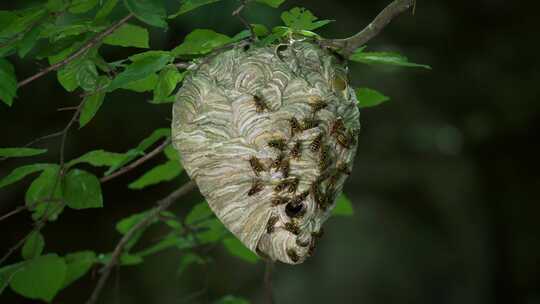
(269, 136)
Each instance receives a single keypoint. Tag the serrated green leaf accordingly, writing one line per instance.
(82, 6)
(236, 248)
(189, 259)
(139, 150)
(87, 75)
(171, 153)
(213, 231)
(98, 158)
(232, 300)
(151, 54)
(24, 19)
(90, 107)
(40, 278)
(302, 19)
(160, 173)
(67, 75)
(198, 213)
(7, 273)
(21, 172)
(20, 152)
(128, 35)
(56, 57)
(56, 5)
(343, 206)
(148, 11)
(384, 58)
(272, 3)
(189, 5)
(82, 190)
(78, 264)
(106, 9)
(33, 246)
(42, 194)
(167, 80)
(139, 69)
(369, 98)
(8, 82)
(200, 42)
(143, 85)
(59, 32)
(29, 40)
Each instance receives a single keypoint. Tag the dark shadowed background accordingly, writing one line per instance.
(445, 185)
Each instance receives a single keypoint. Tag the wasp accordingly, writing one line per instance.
(315, 192)
(281, 186)
(278, 143)
(260, 105)
(279, 200)
(293, 255)
(256, 165)
(285, 168)
(271, 223)
(337, 126)
(343, 168)
(295, 126)
(312, 247)
(256, 187)
(317, 104)
(334, 178)
(278, 161)
(343, 139)
(293, 185)
(302, 244)
(318, 234)
(299, 198)
(324, 158)
(309, 123)
(296, 150)
(316, 143)
(292, 228)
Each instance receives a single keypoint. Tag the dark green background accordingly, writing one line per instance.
(445, 185)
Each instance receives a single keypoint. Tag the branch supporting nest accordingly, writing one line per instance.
(348, 45)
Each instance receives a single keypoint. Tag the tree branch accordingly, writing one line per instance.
(90, 44)
(162, 205)
(138, 162)
(347, 46)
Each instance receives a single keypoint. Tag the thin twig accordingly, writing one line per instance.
(238, 14)
(13, 212)
(269, 294)
(347, 46)
(138, 162)
(90, 44)
(162, 205)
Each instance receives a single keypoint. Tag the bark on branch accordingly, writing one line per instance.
(347, 46)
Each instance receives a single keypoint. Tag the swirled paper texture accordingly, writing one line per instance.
(269, 136)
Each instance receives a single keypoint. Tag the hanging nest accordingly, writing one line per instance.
(269, 135)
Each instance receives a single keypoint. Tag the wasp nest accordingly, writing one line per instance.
(269, 135)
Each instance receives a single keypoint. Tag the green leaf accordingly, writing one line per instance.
(59, 32)
(33, 246)
(369, 98)
(106, 9)
(23, 20)
(8, 82)
(87, 75)
(188, 259)
(151, 54)
(213, 231)
(56, 5)
(259, 29)
(171, 153)
(232, 300)
(44, 188)
(90, 107)
(149, 11)
(128, 35)
(198, 213)
(67, 76)
(168, 78)
(139, 70)
(143, 85)
(40, 278)
(98, 158)
(139, 150)
(124, 225)
(236, 248)
(272, 3)
(200, 42)
(29, 40)
(384, 58)
(82, 6)
(78, 264)
(20, 152)
(171, 240)
(7, 273)
(82, 190)
(189, 5)
(302, 19)
(158, 174)
(343, 206)
(21, 172)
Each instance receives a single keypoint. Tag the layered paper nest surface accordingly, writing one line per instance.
(269, 135)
